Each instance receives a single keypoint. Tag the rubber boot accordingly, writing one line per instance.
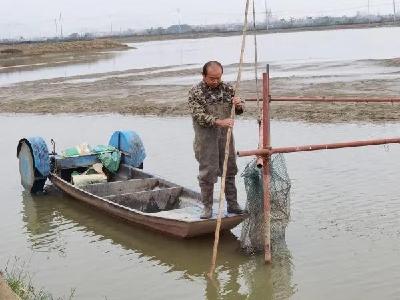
(207, 193)
(231, 196)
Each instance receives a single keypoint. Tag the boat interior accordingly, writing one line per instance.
(133, 188)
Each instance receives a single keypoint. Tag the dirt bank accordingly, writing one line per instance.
(129, 95)
(29, 49)
(5, 291)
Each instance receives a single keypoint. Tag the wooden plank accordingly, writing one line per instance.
(122, 187)
(149, 201)
(127, 172)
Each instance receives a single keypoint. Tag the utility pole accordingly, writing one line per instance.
(179, 20)
(55, 22)
(266, 14)
(369, 14)
(394, 11)
(61, 29)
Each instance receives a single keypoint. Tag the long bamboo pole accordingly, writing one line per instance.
(259, 117)
(266, 167)
(228, 141)
(260, 159)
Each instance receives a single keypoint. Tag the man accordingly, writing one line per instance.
(210, 102)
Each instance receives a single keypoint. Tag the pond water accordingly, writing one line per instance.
(343, 241)
(292, 52)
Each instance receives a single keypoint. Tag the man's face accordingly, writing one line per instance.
(213, 77)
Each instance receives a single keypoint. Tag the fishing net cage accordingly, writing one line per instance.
(252, 236)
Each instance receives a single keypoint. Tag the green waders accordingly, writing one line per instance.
(209, 149)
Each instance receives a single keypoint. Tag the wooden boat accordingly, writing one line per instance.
(130, 194)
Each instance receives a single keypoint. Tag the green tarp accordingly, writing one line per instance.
(109, 156)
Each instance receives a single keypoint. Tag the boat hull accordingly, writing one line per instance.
(177, 228)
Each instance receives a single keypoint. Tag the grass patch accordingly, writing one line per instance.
(20, 282)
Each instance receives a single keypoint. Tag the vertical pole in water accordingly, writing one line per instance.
(266, 166)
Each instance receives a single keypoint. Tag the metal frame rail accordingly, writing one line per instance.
(265, 149)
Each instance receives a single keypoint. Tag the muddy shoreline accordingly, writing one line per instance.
(118, 95)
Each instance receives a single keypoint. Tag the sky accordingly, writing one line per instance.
(38, 18)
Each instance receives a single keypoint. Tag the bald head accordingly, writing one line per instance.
(212, 64)
(212, 73)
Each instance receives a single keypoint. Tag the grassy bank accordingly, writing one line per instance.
(20, 282)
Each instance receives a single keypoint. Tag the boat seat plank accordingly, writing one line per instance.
(149, 201)
(121, 187)
(128, 172)
(191, 213)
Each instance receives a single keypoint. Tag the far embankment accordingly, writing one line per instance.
(13, 50)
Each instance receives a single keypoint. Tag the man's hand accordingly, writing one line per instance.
(226, 123)
(237, 102)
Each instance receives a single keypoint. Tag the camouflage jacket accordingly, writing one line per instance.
(202, 98)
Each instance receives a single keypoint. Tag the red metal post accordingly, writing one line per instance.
(267, 152)
(266, 143)
(331, 99)
(335, 99)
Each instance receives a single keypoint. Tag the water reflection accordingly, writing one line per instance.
(238, 276)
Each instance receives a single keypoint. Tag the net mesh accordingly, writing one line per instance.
(252, 236)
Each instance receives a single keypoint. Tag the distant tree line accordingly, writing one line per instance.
(270, 24)
(330, 21)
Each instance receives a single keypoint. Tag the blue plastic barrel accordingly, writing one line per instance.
(131, 146)
(34, 163)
